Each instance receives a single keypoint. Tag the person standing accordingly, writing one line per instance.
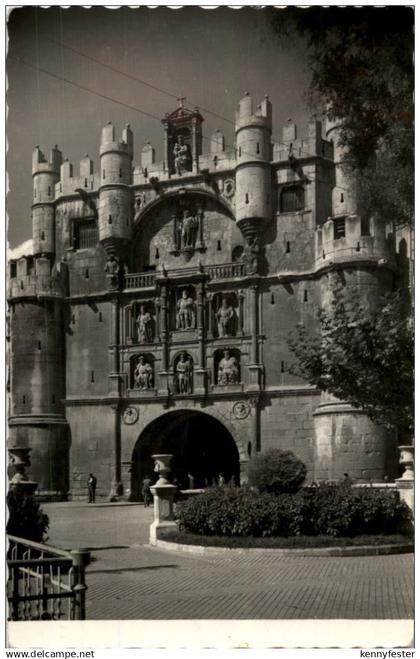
(145, 490)
(91, 488)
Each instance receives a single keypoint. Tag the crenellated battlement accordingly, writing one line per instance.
(35, 277)
(86, 180)
(110, 144)
(42, 165)
(342, 239)
(245, 115)
(310, 145)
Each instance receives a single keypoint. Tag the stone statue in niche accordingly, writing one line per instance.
(181, 156)
(228, 371)
(112, 271)
(144, 323)
(139, 204)
(183, 374)
(143, 375)
(186, 316)
(251, 256)
(188, 228)
(112, 265)
(225, 317)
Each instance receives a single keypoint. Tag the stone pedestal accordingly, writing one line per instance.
(163, 495)
(405, 484)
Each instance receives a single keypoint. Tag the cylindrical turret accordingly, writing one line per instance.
(37, 376)
(344, 197)
(253, 169)
(45, 174)
(345, 440)
(115, 207)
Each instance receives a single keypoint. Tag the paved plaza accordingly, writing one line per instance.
(129, 580)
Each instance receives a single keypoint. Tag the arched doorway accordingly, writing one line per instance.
(201, 446)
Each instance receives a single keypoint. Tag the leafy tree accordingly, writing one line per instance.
(276, 471)
(362, 70)
(362, 356)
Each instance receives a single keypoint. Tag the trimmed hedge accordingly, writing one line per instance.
(334, 510)
(276, 471)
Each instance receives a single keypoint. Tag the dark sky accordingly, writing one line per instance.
(210, 56)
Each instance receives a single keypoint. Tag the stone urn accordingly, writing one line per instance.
(19, 461)
(407, 461)
(162, 462)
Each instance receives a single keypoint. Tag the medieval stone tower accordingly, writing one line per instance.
(154, 313)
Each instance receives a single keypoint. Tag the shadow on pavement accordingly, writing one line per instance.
(132, 569)
(104, 548)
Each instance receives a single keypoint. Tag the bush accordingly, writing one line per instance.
(340, 510)
(26, 519)
(276, 471)
(333, 510)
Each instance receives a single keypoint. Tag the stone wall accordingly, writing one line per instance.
(287, 424)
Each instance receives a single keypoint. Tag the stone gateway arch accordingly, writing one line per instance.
(201, 446)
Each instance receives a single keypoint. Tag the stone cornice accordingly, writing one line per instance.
(206, 399)
(37, 419)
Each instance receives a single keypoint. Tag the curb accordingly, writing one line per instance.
(362, 550)
(85, 504)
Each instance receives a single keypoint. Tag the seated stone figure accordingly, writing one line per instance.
(181, 156)
(228, 370)
(143, 375)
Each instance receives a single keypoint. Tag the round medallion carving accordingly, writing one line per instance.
(241, 410)
(130, 415)
(229, 187)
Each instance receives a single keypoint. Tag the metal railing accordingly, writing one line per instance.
(222, 271)
(45, 583)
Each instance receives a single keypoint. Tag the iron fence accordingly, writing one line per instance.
(45, 583)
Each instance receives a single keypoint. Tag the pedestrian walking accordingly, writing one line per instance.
(147, 495)
(91, 488)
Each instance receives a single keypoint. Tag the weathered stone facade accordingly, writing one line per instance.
(143, 280)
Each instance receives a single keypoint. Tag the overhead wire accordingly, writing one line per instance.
(127, 105)
(154, 87)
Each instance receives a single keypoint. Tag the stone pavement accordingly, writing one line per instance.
(129, 580)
